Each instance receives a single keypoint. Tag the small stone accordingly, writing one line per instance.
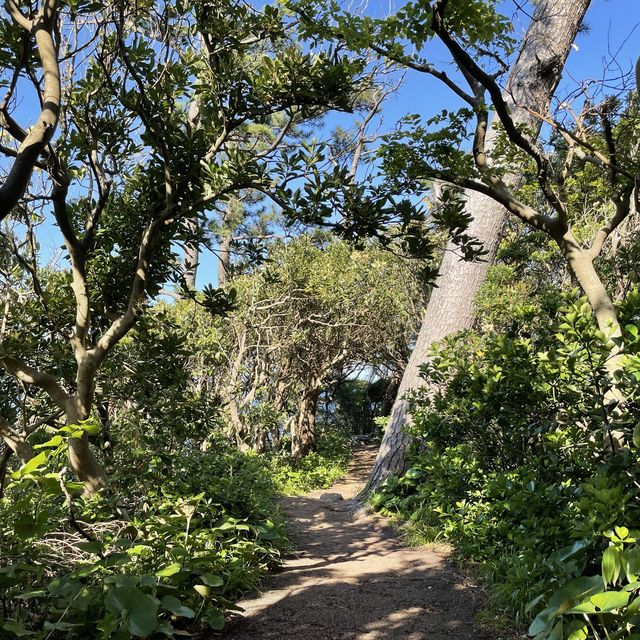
(331, 497)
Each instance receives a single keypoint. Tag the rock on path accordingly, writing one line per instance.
(351, 578)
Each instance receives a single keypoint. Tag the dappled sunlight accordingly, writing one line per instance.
(351, 578)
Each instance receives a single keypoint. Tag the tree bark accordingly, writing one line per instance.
(532, 82)
(81, 458)
(239, 428)
(303, 436)
(35, 141)
(16, 441)
(191, 260)
(224, 257)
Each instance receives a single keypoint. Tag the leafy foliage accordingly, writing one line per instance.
(508, 461)
(173, 563)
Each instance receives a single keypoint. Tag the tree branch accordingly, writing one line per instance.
(30, 375)
(41, 133)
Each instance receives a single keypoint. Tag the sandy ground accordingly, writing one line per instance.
(351, 578)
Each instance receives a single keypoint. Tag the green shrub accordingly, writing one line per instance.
(175, 565)
(511, 458)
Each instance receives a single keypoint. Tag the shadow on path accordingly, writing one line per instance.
(352, 579)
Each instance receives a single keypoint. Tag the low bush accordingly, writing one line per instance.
(513, 460)
(318, 470)
(174, 564)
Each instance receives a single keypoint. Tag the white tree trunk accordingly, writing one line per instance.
(532, 82)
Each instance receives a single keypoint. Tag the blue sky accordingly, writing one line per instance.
(613, 31)
(613, 28)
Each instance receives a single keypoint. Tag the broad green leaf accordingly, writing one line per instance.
(17, 628)
(31, 465)
(543, 622)
(557, 633)
(135, 607)
(622, 532)
(214, 618)
(212, 580)
(574, 591)
(610, 600)
(169, 570)
(202, 589)
(172, 604)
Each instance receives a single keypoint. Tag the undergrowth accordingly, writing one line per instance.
(317, 470)
(165, 552)
(512, 464)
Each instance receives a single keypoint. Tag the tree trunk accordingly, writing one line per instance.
(191, 258)
(239, 429)
(581, 264)
(532, 82)
(224, 258)
(81, 459)
(303, 437)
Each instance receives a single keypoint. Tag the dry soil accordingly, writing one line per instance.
(351, 578)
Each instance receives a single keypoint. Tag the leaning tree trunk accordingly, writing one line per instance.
(532, 82)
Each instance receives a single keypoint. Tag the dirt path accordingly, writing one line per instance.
(352, 579)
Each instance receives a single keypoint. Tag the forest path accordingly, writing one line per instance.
(351, 578)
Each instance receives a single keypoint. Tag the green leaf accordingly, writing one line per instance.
(135, 607)
(611, 565)
(214, 618)
(610, 600)
(634, 606)
(212, 580)
(91, 546)
(576, 630)
(631, 563)
(55, 442)
(32, 465)
(557, 633)
(172, 604)
(574, 591)
(202, 589)
(543, 622)
(636, 435)
(17, 628)
(40, 593)
(169, 570)
(622, 532)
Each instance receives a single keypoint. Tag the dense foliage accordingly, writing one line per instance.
(508, 461)
(195, 529)
(149, 424)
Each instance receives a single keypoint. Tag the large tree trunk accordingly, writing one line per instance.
(81, 459)
(532, 82)
(303, 436)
